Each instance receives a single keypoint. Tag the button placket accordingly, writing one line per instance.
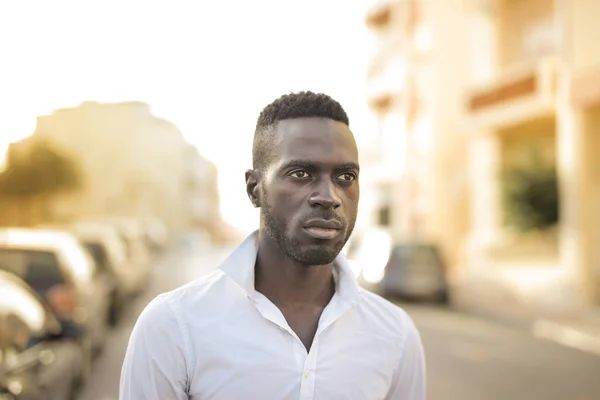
(307, 386)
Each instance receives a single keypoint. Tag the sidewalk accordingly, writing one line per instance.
(579, 330)
(575, 328)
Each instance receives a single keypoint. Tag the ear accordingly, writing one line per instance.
(252, 187)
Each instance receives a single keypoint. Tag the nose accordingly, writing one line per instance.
(325, 196)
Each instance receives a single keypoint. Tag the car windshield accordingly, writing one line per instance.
(39, 269)
(420, 258)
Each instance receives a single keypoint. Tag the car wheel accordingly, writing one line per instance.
(114, 311)
(443, 298)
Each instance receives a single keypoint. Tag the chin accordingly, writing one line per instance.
(315, 255)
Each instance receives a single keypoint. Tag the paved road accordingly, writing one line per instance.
(468, 358)
(471, 358)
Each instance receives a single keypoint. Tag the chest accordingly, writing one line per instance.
(267, 361)
(304, 322)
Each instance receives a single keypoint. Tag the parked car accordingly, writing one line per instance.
(109, 251)
(133, 234)
(418, 271)
(36, 362)
(57, 266)
(414, 271)
(405, 269)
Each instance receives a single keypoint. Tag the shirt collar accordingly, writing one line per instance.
(239, 266)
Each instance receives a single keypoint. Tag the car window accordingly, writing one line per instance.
(98, 253)
(39, 269)
(416, 258)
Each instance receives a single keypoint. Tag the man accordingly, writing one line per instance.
(283, 317)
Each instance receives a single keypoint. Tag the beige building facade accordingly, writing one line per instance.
(203, 192)
(583, 125)
(504, 77)
(422, 156)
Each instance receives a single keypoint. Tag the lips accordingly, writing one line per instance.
(322, 228)
(324, 224)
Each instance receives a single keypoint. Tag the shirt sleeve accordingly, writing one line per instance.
(155, 362)
(409, 377)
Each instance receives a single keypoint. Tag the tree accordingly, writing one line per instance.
(38, 168)
(531, 198)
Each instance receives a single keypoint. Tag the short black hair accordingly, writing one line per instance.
(289, 106)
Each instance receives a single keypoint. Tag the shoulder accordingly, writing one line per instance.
(165, 323)
(387, 317)
(173, 305)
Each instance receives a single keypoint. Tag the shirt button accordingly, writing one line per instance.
(306, 374)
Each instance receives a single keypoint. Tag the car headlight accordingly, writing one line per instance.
(373, 273)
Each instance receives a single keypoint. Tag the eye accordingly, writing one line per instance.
(299, 174)
(347, 177)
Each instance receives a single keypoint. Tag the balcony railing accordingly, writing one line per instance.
(515, 94)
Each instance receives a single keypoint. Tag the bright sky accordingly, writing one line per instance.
(209, 67)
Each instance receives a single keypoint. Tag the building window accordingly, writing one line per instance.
(529, 184)
(383, 217)
(384, 210)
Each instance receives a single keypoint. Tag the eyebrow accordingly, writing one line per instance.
(347, 166)
(309, 166)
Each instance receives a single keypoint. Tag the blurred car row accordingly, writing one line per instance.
(61, 290)
(405, 269)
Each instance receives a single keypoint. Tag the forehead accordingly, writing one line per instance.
(318, 140)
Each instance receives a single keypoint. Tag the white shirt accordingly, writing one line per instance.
(217, 338)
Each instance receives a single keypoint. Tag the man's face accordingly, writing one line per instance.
(309, 195)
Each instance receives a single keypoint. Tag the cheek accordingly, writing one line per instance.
(285, 197)
(351, 201)
(280, 203)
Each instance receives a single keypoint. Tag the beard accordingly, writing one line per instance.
(320, 254)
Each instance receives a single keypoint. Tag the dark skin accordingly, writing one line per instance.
(312, 177)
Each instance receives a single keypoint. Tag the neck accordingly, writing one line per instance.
(285, 281)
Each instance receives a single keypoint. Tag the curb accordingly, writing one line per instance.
(566, 335)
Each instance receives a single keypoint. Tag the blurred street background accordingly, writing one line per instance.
(126, 127)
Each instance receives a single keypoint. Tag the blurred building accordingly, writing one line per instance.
(203, 192)
(133, 164)
(472, 87)
(421, 141)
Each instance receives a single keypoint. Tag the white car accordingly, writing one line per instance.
(107, 246)
(56, 265)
